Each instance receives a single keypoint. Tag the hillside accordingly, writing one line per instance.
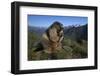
(76, 33)
(72, 32)
(38, 30)
(74, 43)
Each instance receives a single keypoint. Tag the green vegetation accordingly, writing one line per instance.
(71, 49)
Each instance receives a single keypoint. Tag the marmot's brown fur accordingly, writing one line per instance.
(52, 38)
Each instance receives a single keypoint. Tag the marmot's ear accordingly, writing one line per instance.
(53, 35)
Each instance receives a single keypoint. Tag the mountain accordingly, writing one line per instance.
(72, 32)
(37, 30)
(76, 33)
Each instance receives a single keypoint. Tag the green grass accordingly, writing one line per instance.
(71, 49)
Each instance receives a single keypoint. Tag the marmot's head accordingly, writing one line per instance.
(55, 32)
(57, 25)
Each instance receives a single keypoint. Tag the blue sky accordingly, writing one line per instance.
(47, 20)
